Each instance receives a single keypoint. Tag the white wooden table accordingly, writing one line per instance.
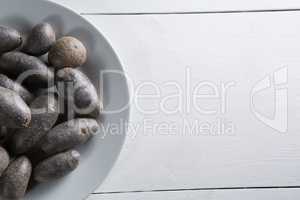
(177, 35)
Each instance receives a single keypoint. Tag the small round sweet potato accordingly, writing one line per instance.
(68, 135)
(14, 112)
(77, 89)
(40, 40)
(67, 52)
(18, 88)
(10, 39)
(45, 112)
(17, 63)
(56, 166)
(15, 179)
(4, 160)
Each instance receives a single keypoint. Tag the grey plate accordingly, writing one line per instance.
(99, 155)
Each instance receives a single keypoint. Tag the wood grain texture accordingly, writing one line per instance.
(143, 6)
(154, 160)
(274, 194)
(242, 46)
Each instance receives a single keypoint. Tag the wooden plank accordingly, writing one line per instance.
(243, 48)
(144, 6)
(274, 194)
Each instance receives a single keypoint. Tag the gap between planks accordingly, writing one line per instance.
(202, 189)
(194, 12)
